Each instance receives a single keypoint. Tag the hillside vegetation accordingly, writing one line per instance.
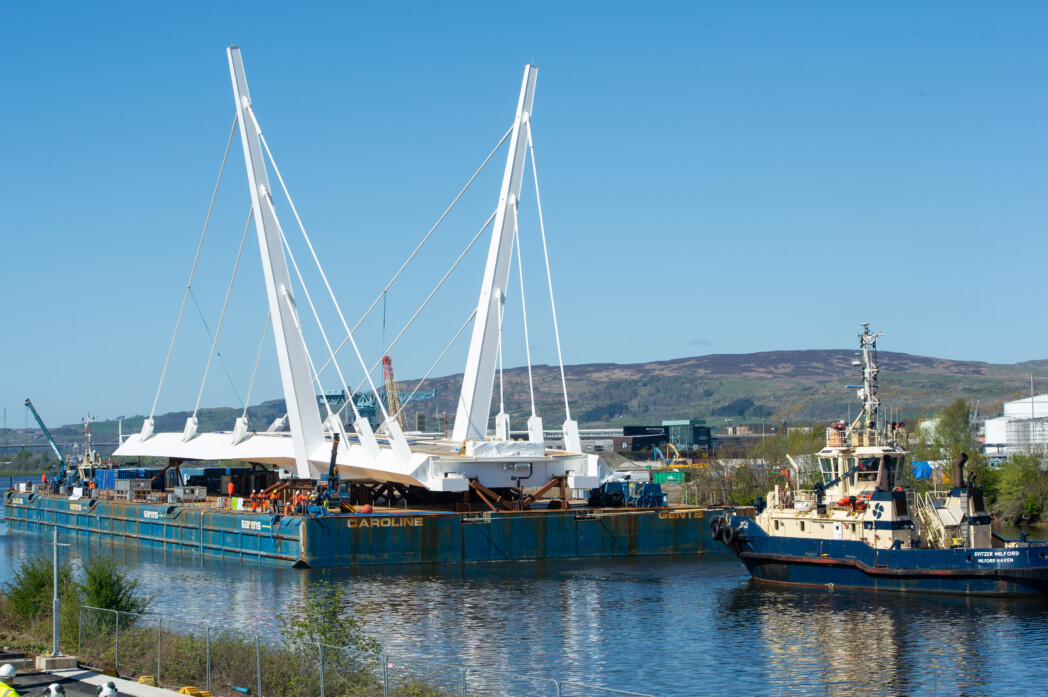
(774, 386)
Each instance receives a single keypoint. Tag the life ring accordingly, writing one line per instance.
(728, 534)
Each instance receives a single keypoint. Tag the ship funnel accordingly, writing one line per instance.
(958, 470)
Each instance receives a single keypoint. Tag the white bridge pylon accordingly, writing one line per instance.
(306, 449)
(478, 380)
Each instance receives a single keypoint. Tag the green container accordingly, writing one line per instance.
(670, 477)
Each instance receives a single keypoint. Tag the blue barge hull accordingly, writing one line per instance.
(374, 539)
(993, 571)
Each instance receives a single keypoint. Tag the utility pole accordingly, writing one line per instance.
(55, 650)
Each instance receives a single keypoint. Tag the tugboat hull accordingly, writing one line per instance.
(996, 571)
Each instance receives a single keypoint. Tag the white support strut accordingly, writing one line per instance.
(302, 409)
(474, 407)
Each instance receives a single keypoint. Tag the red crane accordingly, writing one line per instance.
(392, 391)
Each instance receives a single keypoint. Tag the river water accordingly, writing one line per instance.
(669, 626)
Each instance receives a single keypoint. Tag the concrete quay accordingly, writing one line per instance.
(78, 682)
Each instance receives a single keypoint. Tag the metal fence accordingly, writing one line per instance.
(227, 663)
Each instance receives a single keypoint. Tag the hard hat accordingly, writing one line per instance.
(55, 689)
(7, 671)
(107, 690)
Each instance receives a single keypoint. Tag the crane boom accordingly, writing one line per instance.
(392, 392)
(47, 434)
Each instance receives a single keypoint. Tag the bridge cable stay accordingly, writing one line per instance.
(549, 277)
(442, 353)
(419, 247)
(316, 316)
(432, 293)
(192, 273)
(320, 268)
(218, 354)
(258, 359)
(502, 385)
(524, 309)
(222, 316)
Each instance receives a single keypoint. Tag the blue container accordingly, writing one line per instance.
(105, 479)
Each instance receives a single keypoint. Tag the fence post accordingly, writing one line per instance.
(116, 654)
(159, 635)
(463, 682)
(321, 647)
(80, 634)
(258, 663)
(385, 676)
(559, 690)
(209, 658)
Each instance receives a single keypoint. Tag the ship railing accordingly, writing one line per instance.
(836, 438)
(924, 506)
(172, 653)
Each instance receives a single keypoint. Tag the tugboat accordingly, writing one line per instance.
(861, 527)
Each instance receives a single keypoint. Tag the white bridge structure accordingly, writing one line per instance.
(389, 456)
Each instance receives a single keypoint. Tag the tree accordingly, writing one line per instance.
(325, 616)
(954, 433)
(1023, 488)
(105, 586)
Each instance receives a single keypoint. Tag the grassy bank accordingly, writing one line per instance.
(105, 622)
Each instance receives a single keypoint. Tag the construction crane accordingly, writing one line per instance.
(392, 393)
(50, 439)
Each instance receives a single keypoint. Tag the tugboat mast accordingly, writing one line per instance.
(866, 421)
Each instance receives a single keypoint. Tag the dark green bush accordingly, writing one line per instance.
(30, 593)
(105, 586)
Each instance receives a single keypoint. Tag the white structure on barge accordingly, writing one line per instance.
(471, 457)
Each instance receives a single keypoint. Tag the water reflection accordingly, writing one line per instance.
(888, 643)
(668, 626)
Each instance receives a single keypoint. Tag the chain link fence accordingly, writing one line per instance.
(227, 663)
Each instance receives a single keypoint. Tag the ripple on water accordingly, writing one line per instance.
(669, 626)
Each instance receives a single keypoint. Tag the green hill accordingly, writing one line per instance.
(774, 386)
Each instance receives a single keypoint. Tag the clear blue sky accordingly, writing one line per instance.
(716, 178)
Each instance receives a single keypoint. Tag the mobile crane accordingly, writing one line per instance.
(60, 468)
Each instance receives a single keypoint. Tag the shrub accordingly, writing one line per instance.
(105, 586)
(30, 593)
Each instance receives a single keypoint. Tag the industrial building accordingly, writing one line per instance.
(1023, 428)
(689, 434)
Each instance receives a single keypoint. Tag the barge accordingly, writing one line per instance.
(395, 537)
